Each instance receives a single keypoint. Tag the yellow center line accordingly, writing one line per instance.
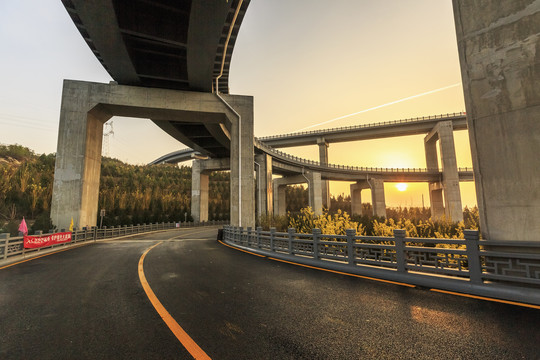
(177, 330)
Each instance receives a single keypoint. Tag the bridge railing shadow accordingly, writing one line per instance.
(13, 247)
(503, 270)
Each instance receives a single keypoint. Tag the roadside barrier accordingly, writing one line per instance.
(507, 270)
(11, 247)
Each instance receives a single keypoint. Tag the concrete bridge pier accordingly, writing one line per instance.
(200, 176)
(280, 201)
(199, 191)
(498, 43)
(378, 200)
(323, 159)
(314, 188)
(265, 202)
(87, 106)
(315, 191)
(436, 199)
(452, 208)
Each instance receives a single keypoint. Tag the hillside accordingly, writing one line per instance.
(130, 194)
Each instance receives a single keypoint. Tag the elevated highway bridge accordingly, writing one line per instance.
(170, 62)
(380, 130)
(295, 170)
(91, 302)
(165, 58)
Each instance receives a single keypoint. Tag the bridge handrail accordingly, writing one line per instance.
(311, 163)
(462, 265)
(14, 246)
(362, 126)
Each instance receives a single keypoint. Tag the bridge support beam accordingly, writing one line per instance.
(498, 42)
(85, 108)
(453, 210)
(378, 199)
(265, 202)
(199, 192)
(323, 159)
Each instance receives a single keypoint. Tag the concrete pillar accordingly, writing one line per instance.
(452, 193)
(323, 159)
(452, 208)
(264, 185)
(378, 200)
(315, 193)
(356, 199)
(199, 192)
(78, 159)
(498, 42)
(242, 167)
(280, 202)
(86, 106)
(377, 197)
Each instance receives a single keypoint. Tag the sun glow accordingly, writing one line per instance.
(401, 186)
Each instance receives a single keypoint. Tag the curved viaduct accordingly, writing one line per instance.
(294, 170)
(170, 62)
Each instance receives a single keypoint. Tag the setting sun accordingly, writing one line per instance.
(401, 186)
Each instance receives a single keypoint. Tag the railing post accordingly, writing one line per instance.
(241, 234)
(259, 230)
(248, 238)
(5, 236)
(351, 233)
(291, 232)
(399, 238)
(316, 239)
(272, 234)
(473, 256)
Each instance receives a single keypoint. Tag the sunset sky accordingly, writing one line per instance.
(304, 61)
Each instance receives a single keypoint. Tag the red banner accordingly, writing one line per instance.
(32, 242)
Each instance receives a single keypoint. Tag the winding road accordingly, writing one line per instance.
(90, 303)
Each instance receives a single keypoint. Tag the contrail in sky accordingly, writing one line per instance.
(381, 106)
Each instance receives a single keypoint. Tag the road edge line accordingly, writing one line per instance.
(508, 302)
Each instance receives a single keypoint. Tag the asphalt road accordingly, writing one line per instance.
(88, 303)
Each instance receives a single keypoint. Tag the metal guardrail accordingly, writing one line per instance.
(14, 246)
(363, 126)
(469, 266)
